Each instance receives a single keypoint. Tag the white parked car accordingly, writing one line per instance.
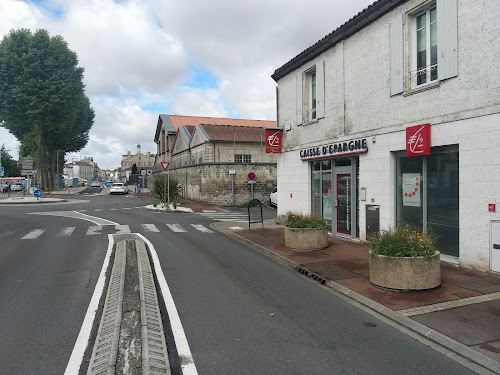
(17, 186)
(96, 184)
(273, 197)
(118, 188)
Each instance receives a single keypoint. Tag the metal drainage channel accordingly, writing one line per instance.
(154, 349)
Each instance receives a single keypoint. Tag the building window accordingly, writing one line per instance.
(311, 83)
(425, 55)
(311, 94)
(242, 158)
(427, 195)
(418, 62)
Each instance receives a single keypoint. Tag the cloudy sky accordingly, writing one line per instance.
(183, 57)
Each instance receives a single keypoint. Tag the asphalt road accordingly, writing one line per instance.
(242, 313)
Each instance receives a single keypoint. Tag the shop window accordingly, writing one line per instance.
(322, 189)
(242, 159)
(427, 195)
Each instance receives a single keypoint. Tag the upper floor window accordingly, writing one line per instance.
(311, 94)
(426, 50)
(311, 78)
(242, 158)
(425, 34)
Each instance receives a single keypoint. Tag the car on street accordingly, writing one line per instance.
(118, 188)
(96, 184)
(273, 197)
(17, 186)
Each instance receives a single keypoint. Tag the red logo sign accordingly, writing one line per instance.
(418, 140)
(273, 141)
(164, 165)
(252, 176)
(491, 207)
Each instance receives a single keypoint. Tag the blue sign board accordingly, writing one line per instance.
(252, 176)
(1, 169)
(37, 193)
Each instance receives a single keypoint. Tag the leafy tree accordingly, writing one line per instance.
(11, 168)
(134, 169)
(43, 100)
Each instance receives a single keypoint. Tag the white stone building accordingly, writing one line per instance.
(346, 105)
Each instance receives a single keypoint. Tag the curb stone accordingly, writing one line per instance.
(466, 356)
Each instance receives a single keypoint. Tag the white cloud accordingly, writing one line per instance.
(137, 54)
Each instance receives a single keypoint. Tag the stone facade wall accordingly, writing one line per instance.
(211, 182)
(463, 110)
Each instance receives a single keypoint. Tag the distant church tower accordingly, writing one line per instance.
(138, 149)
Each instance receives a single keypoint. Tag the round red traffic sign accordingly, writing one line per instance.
(252, 176)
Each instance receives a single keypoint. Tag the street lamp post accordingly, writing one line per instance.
(149, 167)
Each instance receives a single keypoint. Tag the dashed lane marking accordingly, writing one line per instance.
(150, 228)
(201, 228)
(117, 229)
(176, 228)
(35, 233)
(66, 232)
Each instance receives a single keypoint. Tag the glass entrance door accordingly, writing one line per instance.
(343, 202)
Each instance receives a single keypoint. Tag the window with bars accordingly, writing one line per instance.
(426, 50)
(240, 158)
(425, 36)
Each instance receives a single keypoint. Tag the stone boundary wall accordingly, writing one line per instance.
(211, 182)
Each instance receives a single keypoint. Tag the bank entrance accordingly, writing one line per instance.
(335, 194)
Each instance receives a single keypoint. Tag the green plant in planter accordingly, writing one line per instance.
(405, 241)
(296, 220)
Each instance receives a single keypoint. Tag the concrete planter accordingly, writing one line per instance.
(306, 238)
(405, 274)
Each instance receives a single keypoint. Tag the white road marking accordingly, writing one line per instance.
(209, 211)
(77, 215)
(98, 209)
(76, 358)
(150, 228)
(201, 228)
(127, 208)
(66, 232)
(187, 363)
(35, 233)
(113, 209)
(235, 228)
(176, 228)
(121, 229)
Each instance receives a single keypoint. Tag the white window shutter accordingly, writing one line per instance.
(299, 98)
(447, 38)
(396, 50)
(320, 90)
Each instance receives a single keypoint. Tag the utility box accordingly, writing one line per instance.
(372, 220)
(495, 246)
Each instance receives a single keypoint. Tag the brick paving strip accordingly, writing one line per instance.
(449, 304)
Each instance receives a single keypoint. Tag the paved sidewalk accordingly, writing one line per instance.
(463, 315)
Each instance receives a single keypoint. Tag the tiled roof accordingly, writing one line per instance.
(194, 120)
(234, 133)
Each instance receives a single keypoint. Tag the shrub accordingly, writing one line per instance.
(173, 190)
(405, 241)
(296, 220)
